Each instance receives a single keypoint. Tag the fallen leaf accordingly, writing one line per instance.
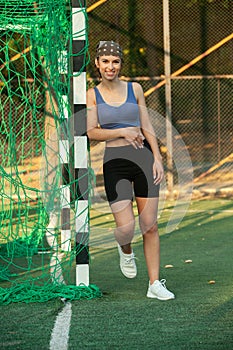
(188, 261)
(168, 266)
(211, 282)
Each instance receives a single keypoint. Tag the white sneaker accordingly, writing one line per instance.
(158, 290)
(127, 263)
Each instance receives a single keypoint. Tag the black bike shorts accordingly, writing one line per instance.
(129, 171)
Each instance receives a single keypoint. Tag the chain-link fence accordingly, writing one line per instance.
(195, 26)
(27, 122)
(22, 100)
(202, 95)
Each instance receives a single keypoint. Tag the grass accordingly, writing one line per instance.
(200, 317)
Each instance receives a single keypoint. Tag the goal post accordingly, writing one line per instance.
(44, 200)
(79, 37)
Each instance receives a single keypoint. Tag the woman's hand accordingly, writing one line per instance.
(133, 136)
(158, 171)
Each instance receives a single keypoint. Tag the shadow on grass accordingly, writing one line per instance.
(199, 318)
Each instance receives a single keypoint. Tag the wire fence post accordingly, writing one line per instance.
(167, 71)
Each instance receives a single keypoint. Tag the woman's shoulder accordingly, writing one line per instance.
(91, 98)
(136, 85)
(137, 88)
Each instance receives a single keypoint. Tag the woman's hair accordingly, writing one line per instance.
(109, 48)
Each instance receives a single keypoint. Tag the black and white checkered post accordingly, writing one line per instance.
(64, 147)
(80, 141)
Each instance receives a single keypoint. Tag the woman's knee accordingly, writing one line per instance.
(149, 228)
(124, 234)
(126, 228)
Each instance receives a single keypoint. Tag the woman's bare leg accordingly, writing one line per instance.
(125, 224)
(148, 209)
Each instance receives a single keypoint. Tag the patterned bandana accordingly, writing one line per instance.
(109, 48)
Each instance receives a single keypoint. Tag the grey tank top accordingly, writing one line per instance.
(123, 116)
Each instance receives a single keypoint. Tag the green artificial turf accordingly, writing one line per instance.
(201, 316)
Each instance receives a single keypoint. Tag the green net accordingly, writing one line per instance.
(35, 37)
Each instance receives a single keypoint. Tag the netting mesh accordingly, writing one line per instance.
(35, 41)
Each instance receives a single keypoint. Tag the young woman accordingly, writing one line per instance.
(117, 114)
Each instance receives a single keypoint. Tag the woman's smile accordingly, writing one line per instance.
(110, 72)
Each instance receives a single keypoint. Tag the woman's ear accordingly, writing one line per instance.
(97, 62)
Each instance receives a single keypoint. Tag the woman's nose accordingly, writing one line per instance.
(110, 65)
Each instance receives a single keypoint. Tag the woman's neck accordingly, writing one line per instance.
(110, 85)
(114, 93)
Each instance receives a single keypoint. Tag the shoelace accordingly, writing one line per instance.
(129, 260)
(163, 281)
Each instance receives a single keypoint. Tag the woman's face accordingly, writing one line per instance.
(109, 66)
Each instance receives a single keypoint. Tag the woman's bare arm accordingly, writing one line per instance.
(149, 133)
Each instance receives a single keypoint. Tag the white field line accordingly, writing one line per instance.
(60, 334)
